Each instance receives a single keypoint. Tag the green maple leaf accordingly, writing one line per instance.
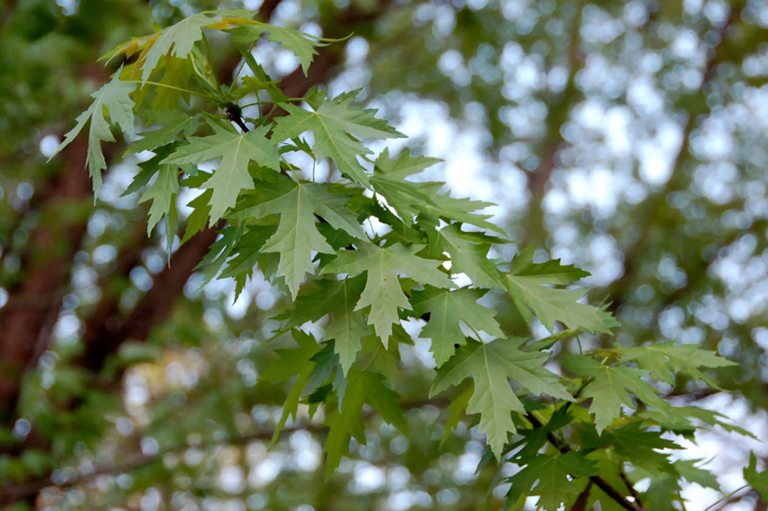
(231, 176)
(389, 181)
(297, 235)
(248, 252)
(457, 407)
(219, 252)
(552, 473)
(550, 340)
(460, 210)
(401, 232)
(175, 123)
(403, 166)
(346, 421)
(375, 358)
(527, 283)
(180, 38)
(301, 46)
(661, 358)
(447, 309)
(334, 125)
(346, 326)
(693, 474)
(326, 360)
(324, 203)
(608, 389)
(635, 444)
(490, 366)
(677, 419)
(147, 169)
(162, 193)
(382, 288)
(469, 254)
(757, 480)
(177, 73)
(536, 437)
(292, 362)
(201, 210)
(411, 198)
(114, 96)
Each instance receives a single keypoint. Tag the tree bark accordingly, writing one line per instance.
(27, 320)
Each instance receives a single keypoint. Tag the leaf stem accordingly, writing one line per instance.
(724, 497)
(372, 358)
(291, 168)
(209, 58)
(260, 102)
(477, 334)
(240, 69)
(180, 89)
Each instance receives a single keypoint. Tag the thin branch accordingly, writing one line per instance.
(726, 499)
(630, 487)
(13, 493)
(583, 499)
(601, 483)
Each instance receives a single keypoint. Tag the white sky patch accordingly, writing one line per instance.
(657, 155)
(367, 478)
(48, 145)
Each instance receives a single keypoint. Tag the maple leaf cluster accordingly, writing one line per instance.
(309, 238)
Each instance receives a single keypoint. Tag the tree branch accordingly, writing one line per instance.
(653, 209)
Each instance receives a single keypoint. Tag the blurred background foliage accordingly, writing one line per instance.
(626, 137)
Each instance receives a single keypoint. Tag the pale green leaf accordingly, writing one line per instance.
(114, 98)
(231, 175)
(490, 366)
(447, 309)
(757, 480)
(334, 124)
(457, 407)
(292, 362)
(175, 123)
(297, 235)
(528, 285)
(382, 288)
(469, 254)
(201, 210)
(661, 358)
(178, 39)
(405, 197)
(610, 388)
(694, 474)
(162, 193)
(220, 251)
(298, 43)
(346, 325)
